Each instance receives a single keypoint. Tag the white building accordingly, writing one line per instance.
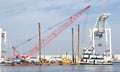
(116, 58)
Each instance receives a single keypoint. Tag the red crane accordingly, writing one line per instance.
(60, 29)
(18, 55)
(15, 50)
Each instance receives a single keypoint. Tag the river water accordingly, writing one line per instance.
(60, 68)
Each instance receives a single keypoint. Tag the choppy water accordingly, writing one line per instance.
(72, 68)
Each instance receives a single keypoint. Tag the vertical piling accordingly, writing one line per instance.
(73, 45)
(78, 43)
(39, 37)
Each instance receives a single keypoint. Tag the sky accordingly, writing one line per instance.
(20, 20)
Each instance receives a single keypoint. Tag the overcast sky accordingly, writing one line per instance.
(20, 20)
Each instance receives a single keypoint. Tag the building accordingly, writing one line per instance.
(116, 58)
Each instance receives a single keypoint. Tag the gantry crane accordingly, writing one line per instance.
(2, 45)
(102, 32)
(55, 33)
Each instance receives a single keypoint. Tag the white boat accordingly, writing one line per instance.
(88, 58)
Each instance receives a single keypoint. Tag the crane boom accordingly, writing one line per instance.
(15, 50)
(60, 29)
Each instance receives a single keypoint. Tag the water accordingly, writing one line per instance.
(72, 68)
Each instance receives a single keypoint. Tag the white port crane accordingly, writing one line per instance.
(2, 44)
(102, 31)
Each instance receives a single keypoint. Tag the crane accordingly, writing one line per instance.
(100, 36)
(15, 50)
(59, 30)
(18, 55)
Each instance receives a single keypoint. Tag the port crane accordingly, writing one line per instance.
(101, 32)
(55, 33)
(2, 45)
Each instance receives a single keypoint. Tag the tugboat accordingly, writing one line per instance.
(88, 58)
